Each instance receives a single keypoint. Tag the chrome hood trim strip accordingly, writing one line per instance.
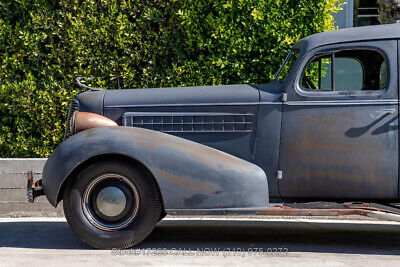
(290, 103)
(193, 105)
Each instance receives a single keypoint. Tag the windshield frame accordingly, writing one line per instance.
(283, 64)
(293, 52)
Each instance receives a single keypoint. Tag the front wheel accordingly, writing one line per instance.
(112, 204)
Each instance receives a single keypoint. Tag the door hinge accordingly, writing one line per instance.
(284, 97)
(279, 175)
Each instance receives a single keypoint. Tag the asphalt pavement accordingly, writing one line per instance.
(210, 241)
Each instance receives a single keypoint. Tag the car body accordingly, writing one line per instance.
(326, 131)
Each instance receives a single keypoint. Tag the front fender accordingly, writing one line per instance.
(189, 175)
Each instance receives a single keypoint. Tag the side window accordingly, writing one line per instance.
(318, 74)
(347, 70)
(349, 74)
(383, 75)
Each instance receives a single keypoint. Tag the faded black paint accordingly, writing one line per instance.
(190, 175)
(325, 151)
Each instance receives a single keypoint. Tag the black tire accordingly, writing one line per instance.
(162, 215)
(147, 215)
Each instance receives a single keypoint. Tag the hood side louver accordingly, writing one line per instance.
(190, 122)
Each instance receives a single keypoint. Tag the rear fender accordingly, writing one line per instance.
(190, 175)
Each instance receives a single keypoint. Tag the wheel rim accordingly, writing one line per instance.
(110, 202)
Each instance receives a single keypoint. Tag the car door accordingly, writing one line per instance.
(339, 135)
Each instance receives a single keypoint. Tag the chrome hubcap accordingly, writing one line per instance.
(110, 202)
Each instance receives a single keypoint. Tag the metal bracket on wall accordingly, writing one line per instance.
(33, 189)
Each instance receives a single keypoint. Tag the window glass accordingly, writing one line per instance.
(317, 75)
(353, 70)
(348, 74)
(383, 74)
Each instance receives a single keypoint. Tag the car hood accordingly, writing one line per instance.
(224, 94)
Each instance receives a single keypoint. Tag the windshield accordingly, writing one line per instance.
(287, 65)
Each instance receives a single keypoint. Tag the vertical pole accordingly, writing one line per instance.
(333, 71)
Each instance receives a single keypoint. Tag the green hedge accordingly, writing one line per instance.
(44, 45)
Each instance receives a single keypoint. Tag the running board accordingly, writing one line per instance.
(371, 210)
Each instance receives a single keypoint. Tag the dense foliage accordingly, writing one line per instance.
(45, 44)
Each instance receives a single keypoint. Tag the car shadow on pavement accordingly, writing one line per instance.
(41, 235)
(243, 235)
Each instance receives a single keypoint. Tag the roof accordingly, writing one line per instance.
(377, 32)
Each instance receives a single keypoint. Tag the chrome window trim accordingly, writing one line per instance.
(334, 48)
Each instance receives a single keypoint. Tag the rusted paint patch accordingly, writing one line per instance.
(302, 209)
(333, 153)
(81, 121)
(187, 183)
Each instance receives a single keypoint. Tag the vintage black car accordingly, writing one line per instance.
(321, 139)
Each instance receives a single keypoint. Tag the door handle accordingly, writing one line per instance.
(382, 112)
(387, 111)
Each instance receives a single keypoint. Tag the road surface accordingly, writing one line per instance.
(210, 241)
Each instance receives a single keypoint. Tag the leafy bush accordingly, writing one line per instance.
(45, 44)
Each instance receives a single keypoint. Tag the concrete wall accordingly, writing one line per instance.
(13, 201)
